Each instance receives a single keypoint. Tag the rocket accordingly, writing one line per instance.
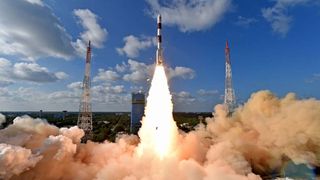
(159, 58)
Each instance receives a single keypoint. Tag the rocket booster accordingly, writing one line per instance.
(159, 58)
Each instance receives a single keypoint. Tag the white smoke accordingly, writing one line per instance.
(2, 119)
(260, 137)
(15, 159)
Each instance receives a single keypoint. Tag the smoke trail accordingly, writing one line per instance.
(262, 136)
(159, 131)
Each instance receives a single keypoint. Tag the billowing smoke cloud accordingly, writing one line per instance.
(260, 137)
(2, 119)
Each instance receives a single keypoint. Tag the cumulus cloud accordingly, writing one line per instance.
(75, 85)
(107, 89)
(24, 94)
(32, 72)
(278, 16)
(121, 67)
(190, 15)
(106, 75)
(32, 98)
(261, 137)
(101, 94)
(139, 72)
(183, 72)
(64, 95)
(133, 45)
(245, 22)
(183, 97)
(110, 94)
(32, 31)
(93, 31)
(198, 101)
(4, 91)
(5, 82)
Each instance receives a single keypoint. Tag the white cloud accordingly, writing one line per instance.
(63, 95)
(38, 2)
(35, 99)
(121, 67)
(93, 31)
(28, 72)
(75, 85)
(4, 91)
(61, 75)
(203, 92)
(108, 89)
(106, 75)
(4, 82)
(245, 22)
(183, 97)
(182, 72)
(133, 45)
(278, 16)
(32, 31)
(190, 15)
(139, 72)
(34, 72)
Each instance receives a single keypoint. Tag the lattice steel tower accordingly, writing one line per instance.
(85, 113)
(229, 96)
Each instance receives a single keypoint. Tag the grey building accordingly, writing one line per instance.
(137, 111)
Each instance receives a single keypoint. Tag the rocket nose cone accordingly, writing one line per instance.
(159, 18)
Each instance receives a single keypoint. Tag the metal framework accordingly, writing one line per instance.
(229, 97)
(85, 113)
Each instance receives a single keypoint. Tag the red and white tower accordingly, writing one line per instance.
(85, 113)
(229, 95)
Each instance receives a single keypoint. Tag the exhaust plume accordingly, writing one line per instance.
(159, 131)
(261, 137)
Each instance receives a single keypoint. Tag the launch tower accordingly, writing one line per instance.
(229, 97)
(85, 113)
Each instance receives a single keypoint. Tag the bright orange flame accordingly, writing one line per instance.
(159, 131)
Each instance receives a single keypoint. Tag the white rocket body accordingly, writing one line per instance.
(159, 59)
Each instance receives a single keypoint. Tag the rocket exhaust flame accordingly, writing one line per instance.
(159, 131)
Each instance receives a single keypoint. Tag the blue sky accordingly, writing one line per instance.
(274, 45)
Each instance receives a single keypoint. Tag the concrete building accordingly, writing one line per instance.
(137, 111)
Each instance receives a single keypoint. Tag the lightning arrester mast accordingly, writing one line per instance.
(229, 97)
(85, 113)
